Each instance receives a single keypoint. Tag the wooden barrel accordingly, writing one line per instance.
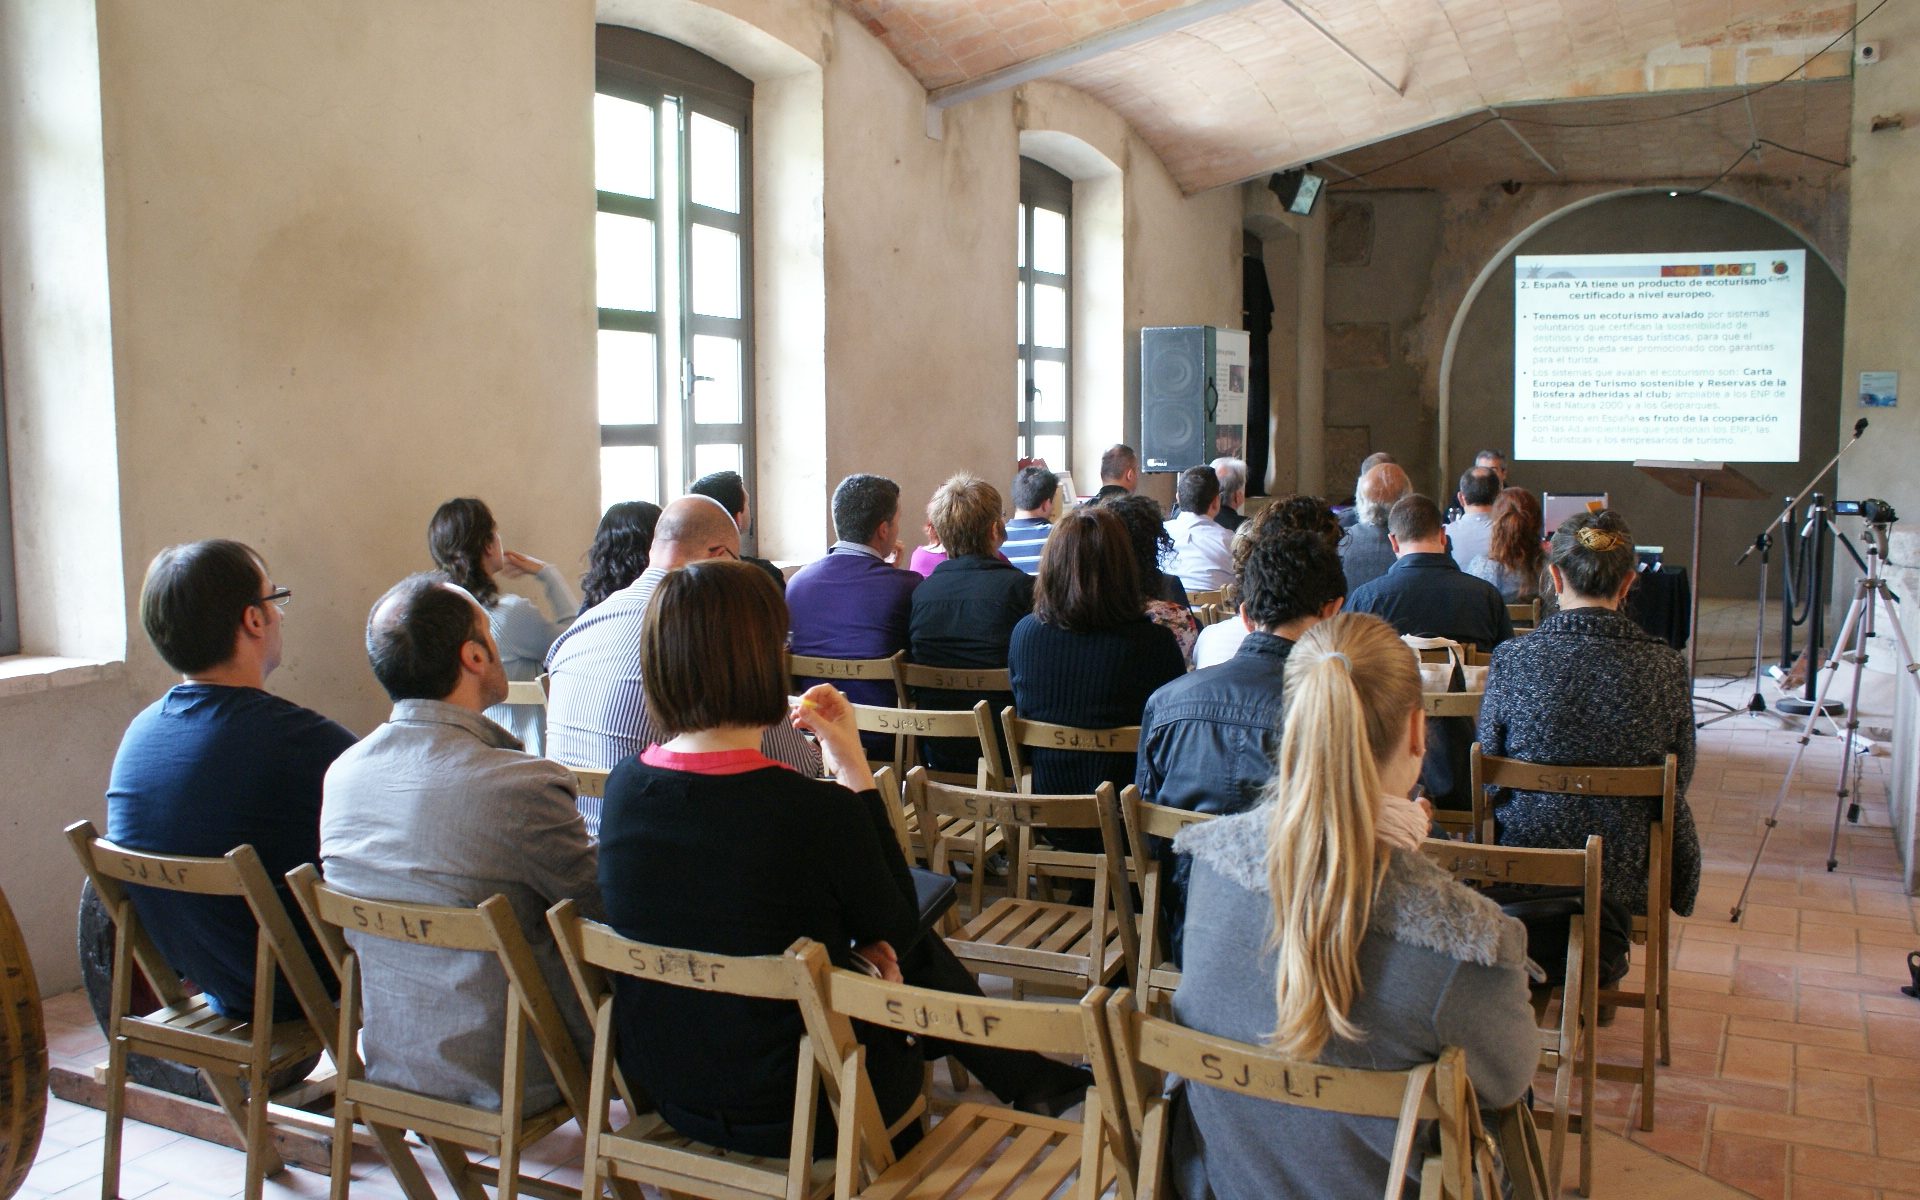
(23, 1057)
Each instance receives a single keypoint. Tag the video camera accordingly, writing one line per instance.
(1873, 512)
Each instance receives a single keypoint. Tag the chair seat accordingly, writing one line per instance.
(192, 1027)
(1034, 934)
(979, 1150)
(475, 1128)
(650, 1143)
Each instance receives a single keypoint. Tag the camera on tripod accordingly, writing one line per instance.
(1873, 512)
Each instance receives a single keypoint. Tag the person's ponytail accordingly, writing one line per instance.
(1351, 685)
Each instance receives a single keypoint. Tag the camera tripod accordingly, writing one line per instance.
(1851, 647)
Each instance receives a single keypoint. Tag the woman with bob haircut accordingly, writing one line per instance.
(964, 614)
(1516, 557)
(622, 546)
(465, 543)
(708, 845)
(1089, 655)
(1316, 926)
(1589, 687)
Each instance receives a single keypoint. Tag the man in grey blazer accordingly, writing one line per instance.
(441, 806)
(1365, 553)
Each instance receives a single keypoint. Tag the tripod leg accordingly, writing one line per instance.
(1846, 790)
(1907, 664)
(1800, 749)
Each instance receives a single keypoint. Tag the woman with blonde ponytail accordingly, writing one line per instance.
(1315, 926)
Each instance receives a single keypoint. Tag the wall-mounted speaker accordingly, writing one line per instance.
(1193, 395)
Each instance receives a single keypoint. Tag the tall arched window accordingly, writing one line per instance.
(1045, 308)
(674, 254)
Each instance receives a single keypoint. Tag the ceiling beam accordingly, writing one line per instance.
(1342, 47)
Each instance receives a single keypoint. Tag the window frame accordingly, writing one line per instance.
(647, 69)
(9, 589)
(1043, 187)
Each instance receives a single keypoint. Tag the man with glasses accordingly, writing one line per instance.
(219, 762)
(596, 706)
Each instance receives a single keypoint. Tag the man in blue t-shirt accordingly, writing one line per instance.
(1033, 492)
(219, 762)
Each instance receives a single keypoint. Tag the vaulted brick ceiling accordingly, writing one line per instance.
(1236, 94)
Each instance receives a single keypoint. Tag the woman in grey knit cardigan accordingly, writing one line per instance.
(1589, 687)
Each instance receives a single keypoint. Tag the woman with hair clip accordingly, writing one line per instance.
(1315, 926)
(465, 543)
(1592, 688)
(1516, 558)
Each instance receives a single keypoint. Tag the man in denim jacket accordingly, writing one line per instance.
(1207, 740)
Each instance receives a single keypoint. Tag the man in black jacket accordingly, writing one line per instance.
(1208, 739)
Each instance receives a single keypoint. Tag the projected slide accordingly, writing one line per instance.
(1619, 357)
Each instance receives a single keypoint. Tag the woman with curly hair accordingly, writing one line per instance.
(621, 546)
(1516, 557)
(465, 543)
(1221, 640)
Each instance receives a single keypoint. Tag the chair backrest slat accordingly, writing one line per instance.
(168, 872)
(1250, 1071)
(527, 691)
(924, 1012)
(1014, 809)
(956, 679)
(764, 977)
(1579, 780)
(590, 781)
(1452, 704)
(1508, 864)
(417, 924)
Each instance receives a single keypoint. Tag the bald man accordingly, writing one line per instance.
(596, 706)
(1365, 554)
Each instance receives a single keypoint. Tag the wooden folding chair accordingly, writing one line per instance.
(1568, 1049)
(977, 1149)
(840, 670)
(646, 1150)
(1199, 600)
(1145, 823)
(1065, 947)
(1441, 705)
(1651, 930)
(956, 839)
(1025, 735)
(1146, 1049)
(449, 1128)
(227, 1051)
(591, 782)
(1524, 616)
(981, 680)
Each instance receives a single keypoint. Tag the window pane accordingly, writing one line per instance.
(716, 380)
(715, 266)
(629, 378)
(1050, 241)
(1052, 448)
(1049, 315)
(629, 473)
(1020, 240)
(1020, 389)
(622, 146)
(623, 248)
(1050, 390)
(715, 170)
(1020, 313)
(716, 456)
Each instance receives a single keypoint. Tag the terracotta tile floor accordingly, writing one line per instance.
(1796, 1062)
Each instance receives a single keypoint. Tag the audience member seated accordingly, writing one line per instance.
(1232, 473)
(1119, 471)
(1468, 535)
(1516, 557)
(219, 762)
(1315, 926)
(1166, 600)
(619, 552)
(930, 555)
(964, 614)
(1207, 741)
(1589, 687)
(597, 705)
(1366, 553)
(710, 846)
(1202, 550)
(1352, 514)
(1494, 461)
(1089, 656)
(1033, 500)
(440, 806)
(855, 603)
(466, 544)
(730, 491)
(1425, 593)
(1221, 640)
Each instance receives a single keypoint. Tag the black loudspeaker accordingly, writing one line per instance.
(1177, 397)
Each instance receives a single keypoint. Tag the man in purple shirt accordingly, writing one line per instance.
(854, 603)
